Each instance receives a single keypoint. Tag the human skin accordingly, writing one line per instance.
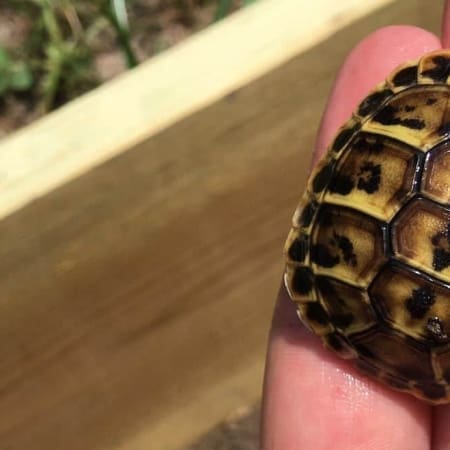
(312, 399)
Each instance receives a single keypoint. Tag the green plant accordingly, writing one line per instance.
(15, 75)
(66, 66)
(59, 49)
(57, 62)
(117, 14)
(224, 7)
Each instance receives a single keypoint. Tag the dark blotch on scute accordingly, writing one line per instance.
(409, 108)
(302, 281)
(299, 249)
(343, 320)
(441, 259)
(373, 101)
(316, 313)
(335, 342)
(328, 255)
(327, 218)
(420, 302)
(308, 214)
(436, 331)
(346, 247)
(416, 124)
(387, 116)
(323, 177)
(342, 184)
(324, 256)
(339, 317)
(344, 136)
(441, 71)
(369, 177)
(441, 252)
(365, 352)
(431, 101)
(433, 391)
(405, 77)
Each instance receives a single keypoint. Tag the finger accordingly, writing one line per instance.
(313, 400)
(446, 26)
(441, 414)
(368, 64)
(441, 432)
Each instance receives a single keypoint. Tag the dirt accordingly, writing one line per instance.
(155, 26)
(240, 432)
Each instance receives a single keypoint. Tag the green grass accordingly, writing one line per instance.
(15, 75)
(56, 63)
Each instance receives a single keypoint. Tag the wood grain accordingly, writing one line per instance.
(135, 299)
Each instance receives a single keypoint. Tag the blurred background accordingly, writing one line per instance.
(152, 153)
(52, 51)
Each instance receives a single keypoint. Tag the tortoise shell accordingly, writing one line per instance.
(368, 255)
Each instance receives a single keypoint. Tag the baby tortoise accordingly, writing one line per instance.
(368, 255)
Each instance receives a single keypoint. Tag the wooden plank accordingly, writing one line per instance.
(135, 299)
(167, 88)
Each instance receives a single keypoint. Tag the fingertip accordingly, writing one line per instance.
(446, 25)
(368, 64)
(315, 400)
(307, 389)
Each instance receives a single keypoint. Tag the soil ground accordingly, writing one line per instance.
(238, 433)
(155, 26)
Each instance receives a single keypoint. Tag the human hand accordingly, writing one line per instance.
(312, 399)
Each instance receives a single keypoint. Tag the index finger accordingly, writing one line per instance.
(312, 399)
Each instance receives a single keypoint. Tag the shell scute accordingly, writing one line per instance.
(404, 76)
(417, 116)
(322, 176)
(316, 317)
(436, 176)
(344, 135)
(376, 176)
(435, 67)
(368, 256)
(346, 245)
(433, 391)
(373, 101)
(299, 248)
(393, 353)
(421, 237)
(337, 343)
(300, 283)
(349, 307)
(410, 302)
(306, 211)
(442, 358)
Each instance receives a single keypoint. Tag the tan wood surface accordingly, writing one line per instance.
(135, 299)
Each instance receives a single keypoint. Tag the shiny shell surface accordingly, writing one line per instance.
(368, 254)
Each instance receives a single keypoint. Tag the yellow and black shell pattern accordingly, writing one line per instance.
(368, 255)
